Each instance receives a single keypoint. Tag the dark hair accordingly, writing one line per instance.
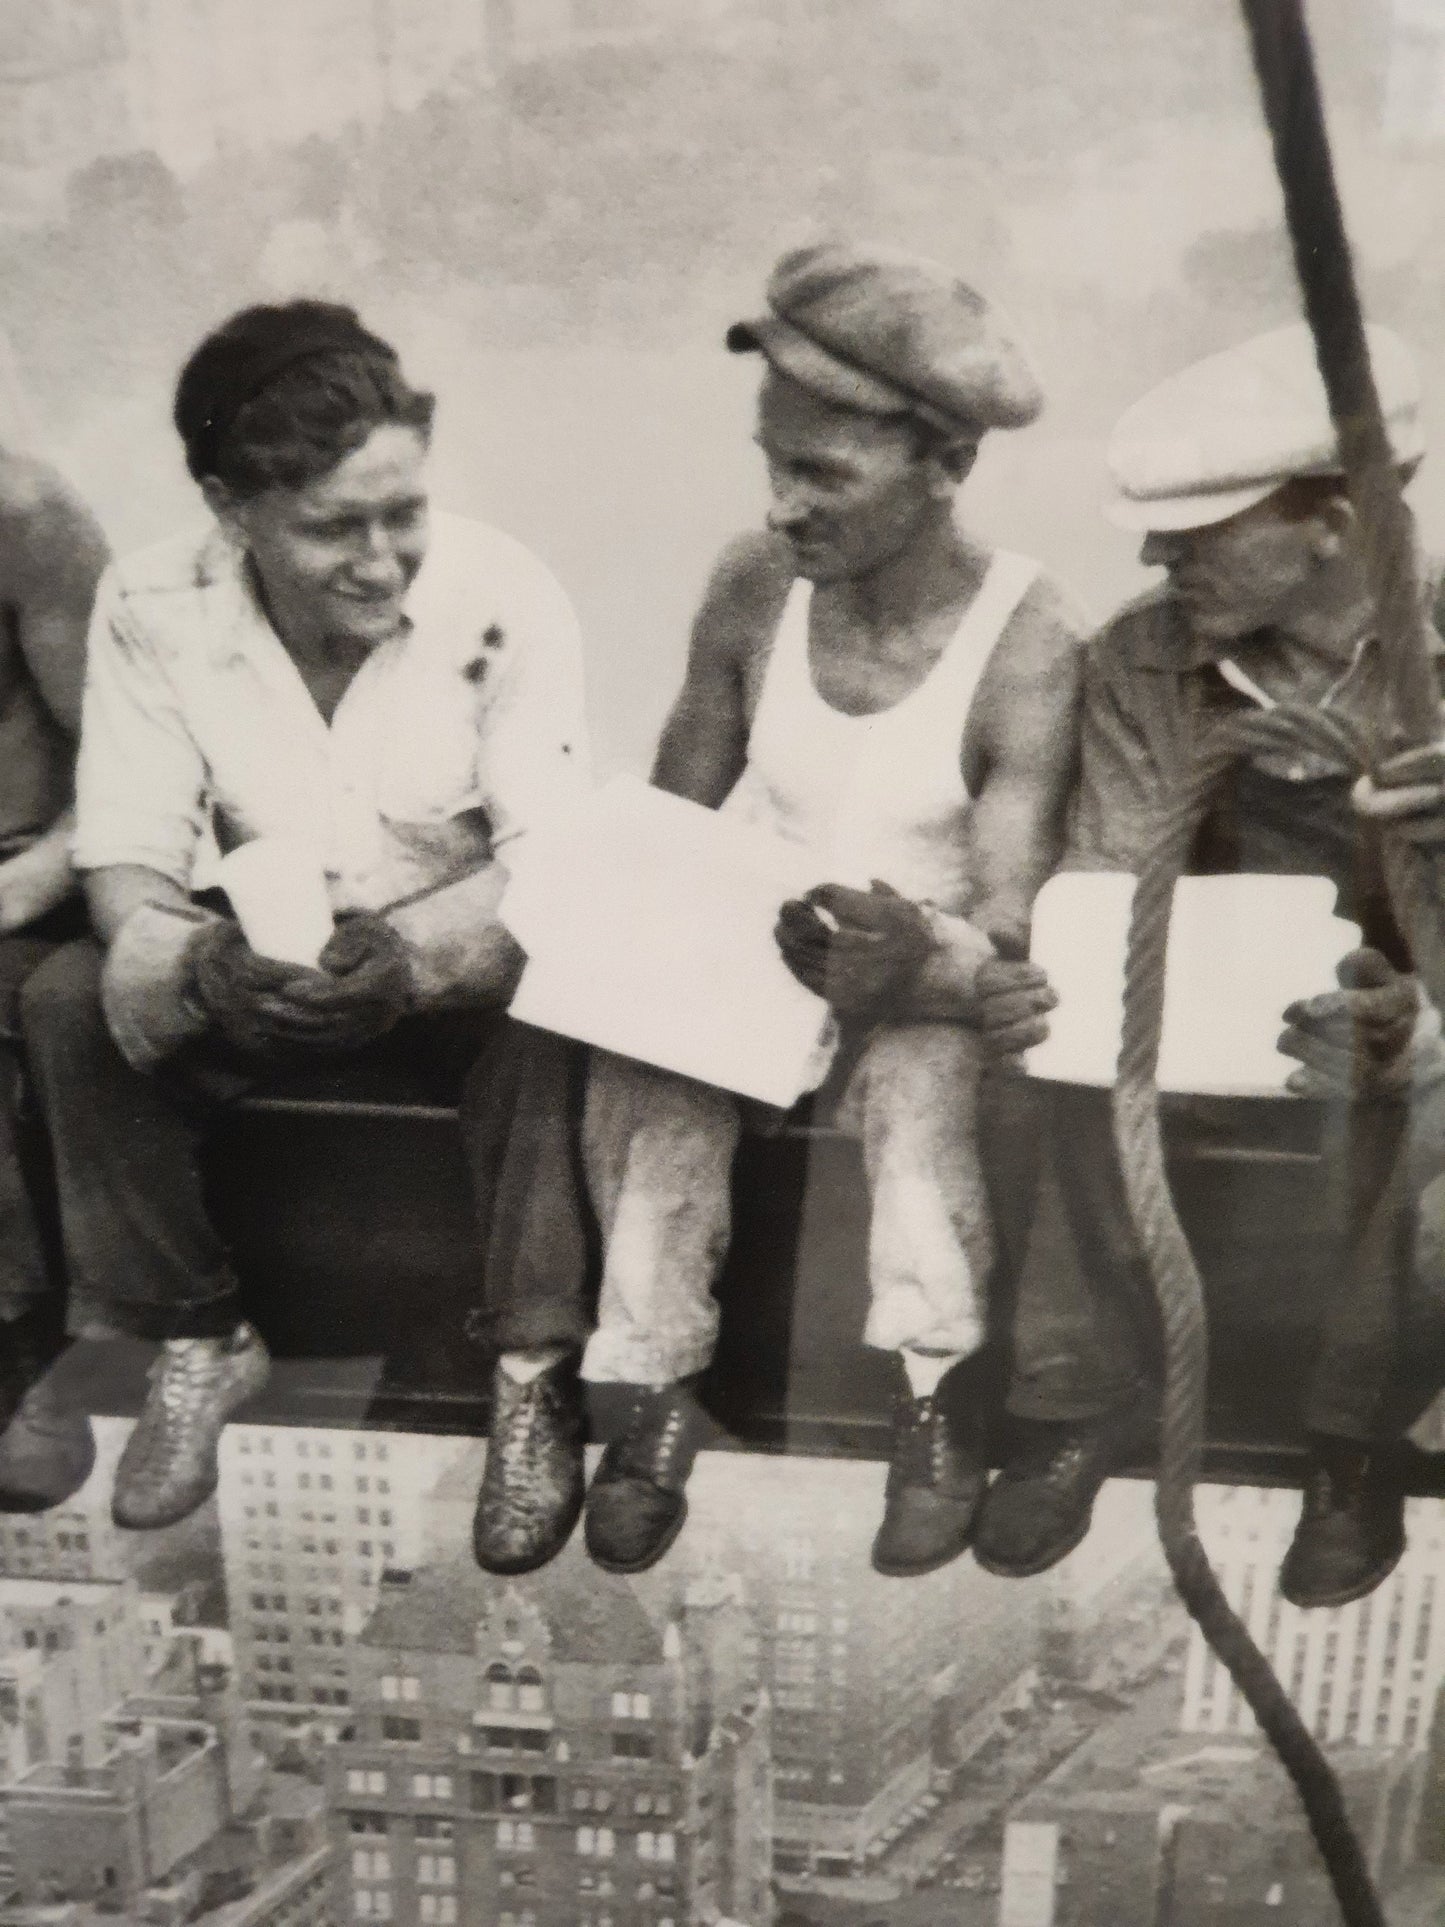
(277, 396)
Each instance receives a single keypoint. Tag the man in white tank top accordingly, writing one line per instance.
(865, 678)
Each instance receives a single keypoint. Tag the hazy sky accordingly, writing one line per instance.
(561, 259)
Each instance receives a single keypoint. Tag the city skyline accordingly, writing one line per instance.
(761, 1729)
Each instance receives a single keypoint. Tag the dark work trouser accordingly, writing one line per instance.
(142, 1255)
(1085, 1330)
(540, 1261)
(25, 1279)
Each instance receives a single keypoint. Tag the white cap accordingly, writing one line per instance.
(1226, 432)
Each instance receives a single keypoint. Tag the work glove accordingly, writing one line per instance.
(361, 990)
(857, 949)
(266, 1008)
(1013, 998)
(1355, 1041)
(240, 993)
(1406, 794)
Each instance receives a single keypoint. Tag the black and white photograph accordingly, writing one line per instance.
(722, 941)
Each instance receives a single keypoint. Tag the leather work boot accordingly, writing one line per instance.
(1041, 1504)
(531, 1491)
(47, 1449)
(936, 1478)
(1351, 1530)
(638, 1502)
(168, 1467)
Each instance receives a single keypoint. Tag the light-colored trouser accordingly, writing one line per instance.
(659, 1150)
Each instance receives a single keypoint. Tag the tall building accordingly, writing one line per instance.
(1144, 1827)
(310, 1520)
(69, 1652)
(875, 1686)
(77, 1540)
(542, 1754)
(1366, 1674)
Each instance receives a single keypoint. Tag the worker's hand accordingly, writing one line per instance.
(1407, 795)
(857, 949)
(362, 989)
(1355, 1041)
(245, 996)
(1013, 998)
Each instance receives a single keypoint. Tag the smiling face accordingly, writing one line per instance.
(850, 491)
(337, 556)
(1256, 570)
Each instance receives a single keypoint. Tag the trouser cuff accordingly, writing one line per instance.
(508, 1331)
(612, 1358)
(215, 1317)
(1075, 1405)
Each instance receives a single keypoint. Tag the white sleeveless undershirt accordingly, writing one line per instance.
(880, 795)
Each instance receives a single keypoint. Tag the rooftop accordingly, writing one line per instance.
(592, 1617)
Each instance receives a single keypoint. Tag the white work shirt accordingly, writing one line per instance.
(455, 736)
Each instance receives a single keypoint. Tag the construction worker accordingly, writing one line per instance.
(1231, 471)
(330, 665)
(51, 557)
(867, 679)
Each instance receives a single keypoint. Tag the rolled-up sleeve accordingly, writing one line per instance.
(140, 777)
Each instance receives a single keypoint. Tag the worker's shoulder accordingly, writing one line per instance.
(470, 557)
(1148, 632)
(190, 559)
(481, 589)
(746, 589)
(42, 517)
(1048, 623)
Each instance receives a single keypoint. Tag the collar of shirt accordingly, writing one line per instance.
(1168, 644)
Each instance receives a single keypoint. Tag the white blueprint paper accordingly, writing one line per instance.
(1240, 949)
(648, 926)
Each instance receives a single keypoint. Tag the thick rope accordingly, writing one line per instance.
(1406, 710)
(1180, 1299)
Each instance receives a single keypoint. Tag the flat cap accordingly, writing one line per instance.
(1226, 432)
(887, 334)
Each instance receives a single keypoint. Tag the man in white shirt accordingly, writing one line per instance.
(329, 664)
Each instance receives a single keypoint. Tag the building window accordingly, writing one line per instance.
(372, 1903)
(404, 1686)
(631, 1706)
(401, 1732)
(429, 1829)
(375, 1865)
(440, 1908)
(516, 1836)
(436, 1870)
(530, 1696)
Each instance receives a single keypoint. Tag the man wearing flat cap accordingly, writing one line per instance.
(865, 679)
(1231, 471)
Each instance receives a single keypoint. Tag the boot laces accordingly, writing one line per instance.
(646, 1449)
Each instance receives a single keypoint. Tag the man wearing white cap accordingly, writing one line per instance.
(1231, 471)
(865, 679)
